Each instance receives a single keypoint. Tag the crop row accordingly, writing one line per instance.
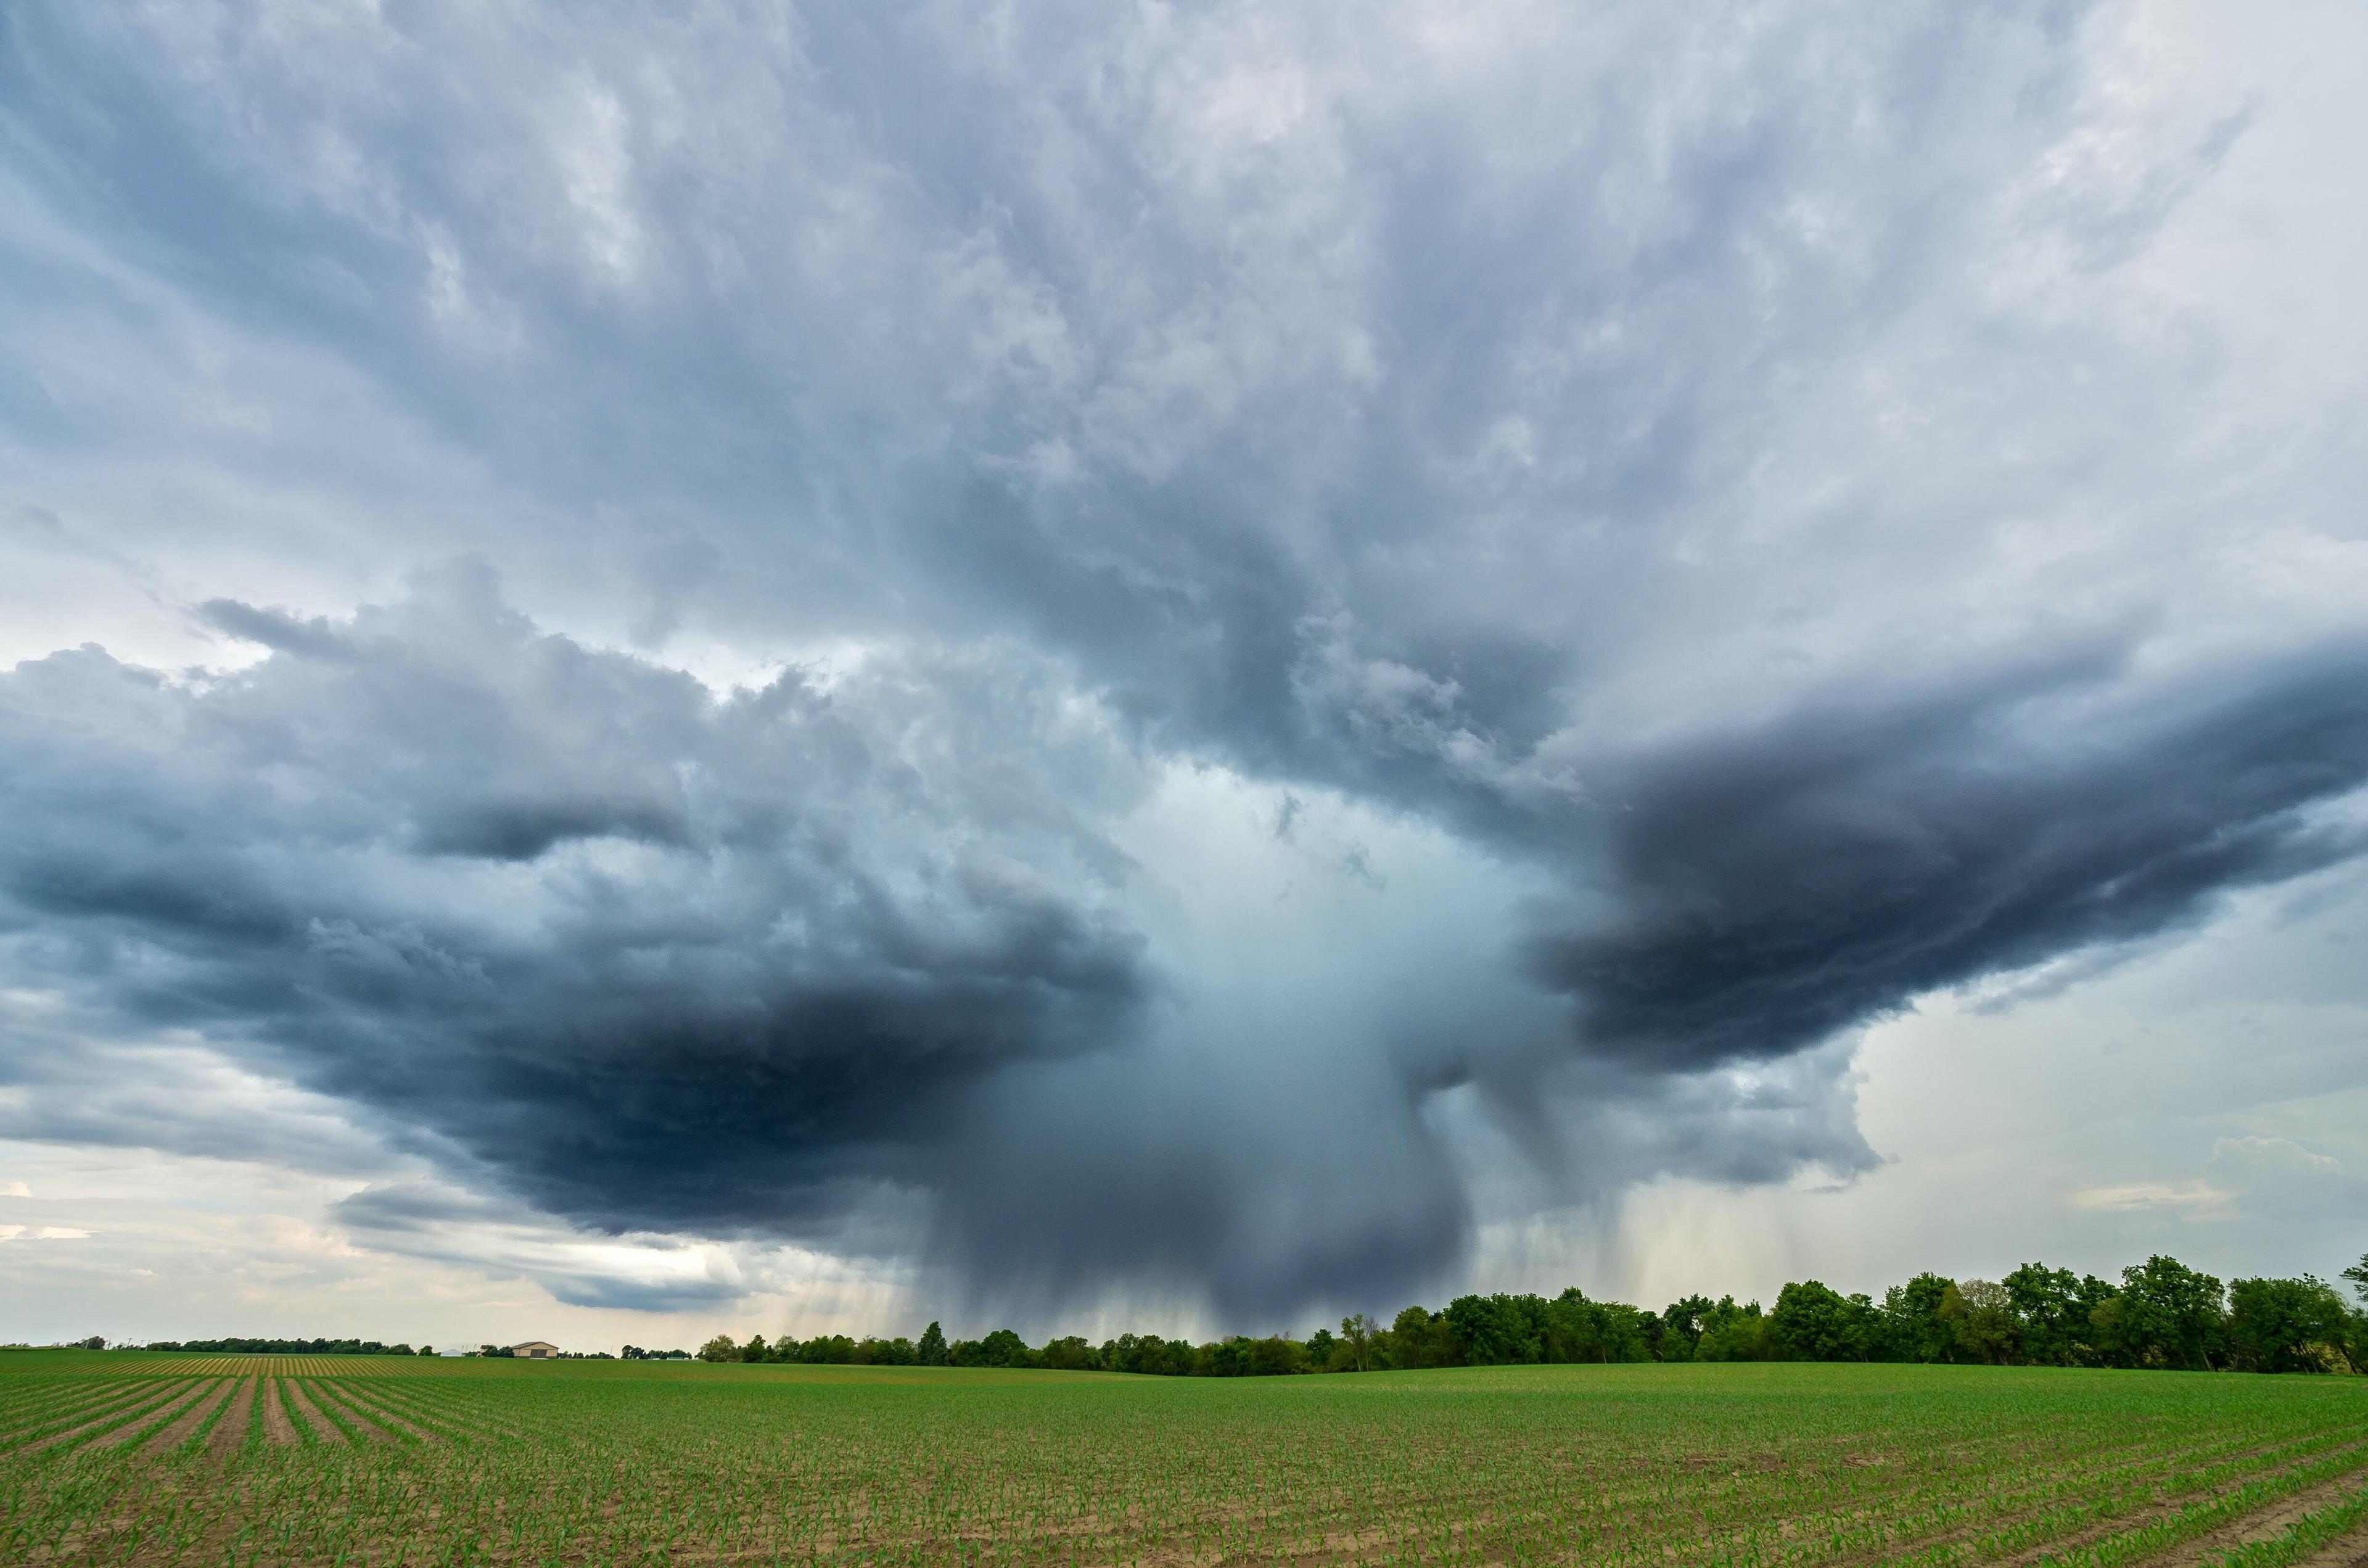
(1791, 1467)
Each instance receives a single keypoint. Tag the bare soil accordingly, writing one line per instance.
(139, 1425)
(323, 1427)
(230, 1432)
(278, 1430)
(180, 1431)
(475, 1423)
(2348, 1551)
(75, 1433)
(382, 1416)
(328, 1397)
(113, 1402)
(2270, 1521)
(2204, 1548)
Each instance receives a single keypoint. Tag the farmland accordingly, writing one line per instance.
(110, 1458)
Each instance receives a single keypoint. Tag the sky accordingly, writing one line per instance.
(781, 667)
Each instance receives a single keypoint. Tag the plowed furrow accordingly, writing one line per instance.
(230, 1432)
(146, 1421)
(185, 1426)
(278, 1430)
(142, 1411)
(323, 1427)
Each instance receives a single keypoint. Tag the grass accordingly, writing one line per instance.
(631, 1464)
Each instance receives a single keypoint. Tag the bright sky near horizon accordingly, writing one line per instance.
(1190, 666)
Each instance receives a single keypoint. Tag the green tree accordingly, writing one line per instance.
(1003, 1349)
(1273, 1357)
(2358, 1275)
(2167, 1314)
(2055, 1310)
(1682, 1323)
(1497, 1331)
(1981, 1315)
(1163, 1357)
(718, 1349)
(1572, 1328)
(1622, 1332)
(1735, 1334)
(1357, 1332)
(1912, 1328)
(1069, 1354)
(755, 1349)
(2287, 1325)
(1418, 1339)
(1812, 1322)
(933, 1345)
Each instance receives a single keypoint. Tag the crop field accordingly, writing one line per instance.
(356, 1462)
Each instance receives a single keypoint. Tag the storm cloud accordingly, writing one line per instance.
(1776, 886)
(1166, 654)
(662, 958)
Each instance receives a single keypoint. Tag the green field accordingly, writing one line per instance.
(128, 1458)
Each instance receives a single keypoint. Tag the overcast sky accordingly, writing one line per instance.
(1193, 666)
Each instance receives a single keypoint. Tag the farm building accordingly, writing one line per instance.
(535, 1350)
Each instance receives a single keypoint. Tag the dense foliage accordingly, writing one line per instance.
(2160, 1314)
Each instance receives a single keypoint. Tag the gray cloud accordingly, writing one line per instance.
(1773, 886)
(658, 958)
(875, 958)
(1741, 481)
(427, 1220)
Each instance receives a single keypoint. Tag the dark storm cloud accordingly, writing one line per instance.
(658, 958)
(1773, 886)
(866, 949)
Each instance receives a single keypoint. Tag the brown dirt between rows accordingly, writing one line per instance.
(2272, 1520)
(2350, 1552)
(278, 1430)
(328, 1397)
(323, 1427)
(2269, 1520)
(2345, 1551)
(139, 1425)
(474, 1425)
(384, 1415)
(2102, 1531)
(177, 1432)
(230, 1432)
(114, 1401)
(100, 1420)
(2283, 1511)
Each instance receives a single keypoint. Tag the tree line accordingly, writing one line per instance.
(2160, 1313)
